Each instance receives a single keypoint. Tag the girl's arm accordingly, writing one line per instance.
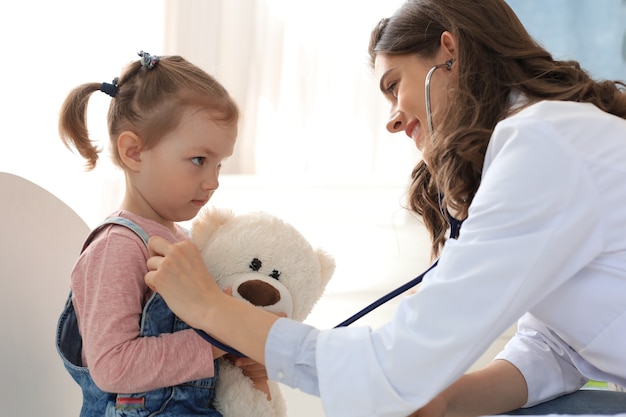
(109, 293)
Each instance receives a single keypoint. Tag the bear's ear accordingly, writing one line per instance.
(207, 222)
(327, 264)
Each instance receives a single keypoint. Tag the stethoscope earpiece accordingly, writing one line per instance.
(447, 65)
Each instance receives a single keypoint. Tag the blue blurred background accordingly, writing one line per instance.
(592, 32)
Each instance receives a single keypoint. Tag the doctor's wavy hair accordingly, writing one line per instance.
(495, 56)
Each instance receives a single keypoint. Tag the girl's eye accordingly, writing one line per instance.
(392, 89)
(198, 160)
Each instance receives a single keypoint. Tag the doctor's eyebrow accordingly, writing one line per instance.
(381, 84)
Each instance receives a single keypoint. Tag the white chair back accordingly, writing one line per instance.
(40, 239)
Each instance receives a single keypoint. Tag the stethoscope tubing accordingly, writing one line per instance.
(389, 296)
(429, 75)
(382, 300)
(455, 227)
(401, 289)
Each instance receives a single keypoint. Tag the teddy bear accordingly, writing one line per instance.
(268, 263)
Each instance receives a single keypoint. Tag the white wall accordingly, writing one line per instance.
(362, 223)
(48, 48)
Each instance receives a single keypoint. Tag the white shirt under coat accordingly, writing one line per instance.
(545, 234)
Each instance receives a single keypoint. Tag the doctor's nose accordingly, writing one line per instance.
(396, 122)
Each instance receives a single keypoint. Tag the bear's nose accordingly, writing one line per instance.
(259, 293)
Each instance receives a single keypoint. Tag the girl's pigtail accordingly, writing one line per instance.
(73, 124)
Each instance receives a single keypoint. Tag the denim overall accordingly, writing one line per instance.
(194, 398)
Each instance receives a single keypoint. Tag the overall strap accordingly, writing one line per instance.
(122, 221)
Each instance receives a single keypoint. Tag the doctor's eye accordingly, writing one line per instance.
(392, 89)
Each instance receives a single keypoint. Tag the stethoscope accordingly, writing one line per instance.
(448, 66)
(455, 226)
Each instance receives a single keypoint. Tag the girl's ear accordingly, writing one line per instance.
(129, 147)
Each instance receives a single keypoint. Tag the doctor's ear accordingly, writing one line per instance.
(448, 47)
(129, 147)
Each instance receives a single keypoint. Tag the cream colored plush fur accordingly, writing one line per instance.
(268, 263)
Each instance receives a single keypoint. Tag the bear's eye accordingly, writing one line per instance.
(256, 264)
(275, 274)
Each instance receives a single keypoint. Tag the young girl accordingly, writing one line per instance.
(171, 125)
(530, 153)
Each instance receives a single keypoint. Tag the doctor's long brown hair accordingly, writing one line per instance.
(495, 56)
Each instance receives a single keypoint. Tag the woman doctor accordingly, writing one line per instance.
(531, 154)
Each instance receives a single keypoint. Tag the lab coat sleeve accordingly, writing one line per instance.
(544, 360)
(531, 226)
(290, 355)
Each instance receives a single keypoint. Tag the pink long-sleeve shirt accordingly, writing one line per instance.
(109, 293)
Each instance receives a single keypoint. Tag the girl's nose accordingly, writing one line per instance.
(395, 123)
(211, 183)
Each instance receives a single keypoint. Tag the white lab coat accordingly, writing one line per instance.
(546, 233)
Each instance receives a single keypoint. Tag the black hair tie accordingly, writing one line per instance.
(109, 88)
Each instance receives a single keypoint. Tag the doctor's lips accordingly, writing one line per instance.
(413, 129)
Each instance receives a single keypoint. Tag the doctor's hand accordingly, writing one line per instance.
(178, 273)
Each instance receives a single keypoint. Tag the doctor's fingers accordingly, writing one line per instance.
(158, 246)
(182, 256)
(175, 264)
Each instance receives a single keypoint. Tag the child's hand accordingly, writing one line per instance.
(251, 368)
(256, 372)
